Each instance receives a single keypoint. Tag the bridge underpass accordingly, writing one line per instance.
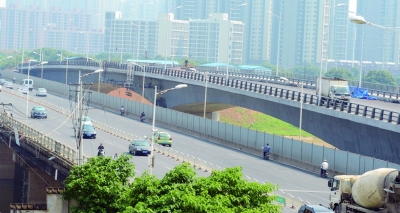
(350, 132)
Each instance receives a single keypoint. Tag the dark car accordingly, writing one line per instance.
(88, 131)
(38, 112)
(314, 209)
(138, 146)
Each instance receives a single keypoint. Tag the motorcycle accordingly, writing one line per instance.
(324, 174)
(101, 152)
(266, 156)
(122, 112)
(142, 118)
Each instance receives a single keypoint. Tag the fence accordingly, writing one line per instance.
(286, 150)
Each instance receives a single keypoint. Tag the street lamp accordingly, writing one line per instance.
(17, 52)
(40, 56)
(109, 45)
(279, 40)
(144, 76)
(27, 93)
(301, 85)
(205, 94)
(138, 39)
(66, 69)
(87, 44)
(60, 56)
(322, 47)
(80, 100)
(41, 74)
(151, 159)
(357, 19)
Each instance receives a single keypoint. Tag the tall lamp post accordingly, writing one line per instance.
(27, 93)
(138, 39)
(325, 7)
(301, 85)
(144, 76)
(361, 20)
(41, 73)
(109, 43)
(87, 45)
(279, 40)
(205, 94)
(151, 159)
(80, 101)
(16, 52)
(66, 69)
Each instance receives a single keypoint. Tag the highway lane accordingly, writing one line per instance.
(286, 177)
(395, 107)
(59, 127)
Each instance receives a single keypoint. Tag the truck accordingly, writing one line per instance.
(333, 88)
(374, 191)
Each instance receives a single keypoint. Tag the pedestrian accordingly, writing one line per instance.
(115, 156)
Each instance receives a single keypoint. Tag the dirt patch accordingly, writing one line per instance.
(123, 93)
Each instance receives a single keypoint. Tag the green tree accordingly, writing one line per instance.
(355, 71)
(181, 191)
(339, 73)
(398, 80)
(380, 76)
(308, 69)
(99, 185)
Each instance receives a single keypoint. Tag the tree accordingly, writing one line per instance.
(308, 69)
(355, 71)
(100, 184)
(380, 76)
(339, 73)
(181, 191)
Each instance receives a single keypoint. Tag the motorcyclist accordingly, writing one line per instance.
(266, 149)
(14, 80)
(142, 116)
(122, 110)
(100, 148)
(324, 167)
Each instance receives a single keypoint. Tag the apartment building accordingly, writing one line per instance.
(135, 37)
(32, 27)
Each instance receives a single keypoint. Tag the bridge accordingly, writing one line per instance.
(53, 137)
(366, 127)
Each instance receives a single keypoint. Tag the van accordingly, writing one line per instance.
(28, 83)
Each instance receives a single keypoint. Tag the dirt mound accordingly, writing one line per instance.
(122, 93)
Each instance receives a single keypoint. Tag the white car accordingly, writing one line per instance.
(87, 121)
(41, 92)
(23, 90)
(8, 85)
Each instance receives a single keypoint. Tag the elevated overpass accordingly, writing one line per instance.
(359, 128)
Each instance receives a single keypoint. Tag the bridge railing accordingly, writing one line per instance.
(284, 149)
(40, 142)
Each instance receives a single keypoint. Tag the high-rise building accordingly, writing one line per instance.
(31, 28)
(214, 38)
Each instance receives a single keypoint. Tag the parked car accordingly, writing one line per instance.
(23, 90)
(138, 146)
(163, 138)
(2, 81)
(314, 209)
(88, 131)
(38, 112)
(41, 92)
(8, 85)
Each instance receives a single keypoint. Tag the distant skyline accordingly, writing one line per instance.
(298, 42)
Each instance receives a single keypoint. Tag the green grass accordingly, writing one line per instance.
(261, 122)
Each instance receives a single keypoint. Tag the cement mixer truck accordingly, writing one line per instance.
(374, 191)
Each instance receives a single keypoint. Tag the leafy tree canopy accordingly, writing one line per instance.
(381, 77)
(308, 69)
(339, 73)
(101, 186)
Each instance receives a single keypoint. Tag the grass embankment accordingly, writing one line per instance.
(261, 122)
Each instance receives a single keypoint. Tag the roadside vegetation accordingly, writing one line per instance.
(107, 185)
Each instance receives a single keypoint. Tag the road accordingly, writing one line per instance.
(309, 187)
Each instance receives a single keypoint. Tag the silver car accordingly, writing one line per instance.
(138, 146)
(8, 85)
(2, 81)
(41, 92)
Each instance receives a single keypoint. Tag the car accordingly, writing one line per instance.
(23, 90)
(0, 88)
(88, 131)
(41, 92)
(138, 146)
(86, 121)
(38, 112)
(8, 85)
(314, 209)
(2, 81)
(163, 138)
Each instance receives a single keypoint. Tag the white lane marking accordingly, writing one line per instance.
(168, 168)
(237, 156)
(39, 124)
(137, 171)
(57, 132)
(108, 142)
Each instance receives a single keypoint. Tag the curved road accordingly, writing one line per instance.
(307, 186)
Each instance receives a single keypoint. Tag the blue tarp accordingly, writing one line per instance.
(360, 93)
